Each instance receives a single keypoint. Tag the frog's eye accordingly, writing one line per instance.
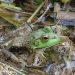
(45, 38)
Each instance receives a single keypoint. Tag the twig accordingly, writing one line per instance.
(13, 68)
(39, 19)
(33, 15)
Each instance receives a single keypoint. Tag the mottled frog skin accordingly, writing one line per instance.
(43, 38)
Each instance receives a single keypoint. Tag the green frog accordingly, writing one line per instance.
(42, 38)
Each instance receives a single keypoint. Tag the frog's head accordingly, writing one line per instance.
(42, 38)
